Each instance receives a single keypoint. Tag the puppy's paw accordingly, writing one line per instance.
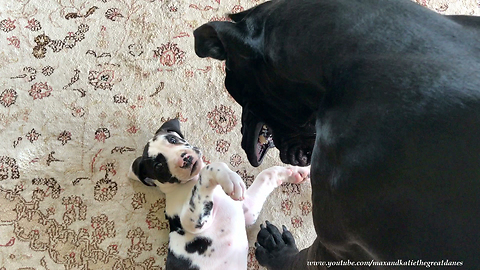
(289, 174)
(230, 181)
(273, 249)
(233, 185)
(299, 174)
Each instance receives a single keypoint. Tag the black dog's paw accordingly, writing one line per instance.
(273, 248)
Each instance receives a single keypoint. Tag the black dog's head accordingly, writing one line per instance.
(168, 157)
(276, 110)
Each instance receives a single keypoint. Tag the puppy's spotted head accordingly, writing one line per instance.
(168, 157)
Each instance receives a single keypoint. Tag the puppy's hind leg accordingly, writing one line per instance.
(265, 183)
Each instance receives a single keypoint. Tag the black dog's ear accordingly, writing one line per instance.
(219, 39)
(171, 125)
(465, 20)
(208, 40)
(138, 168)
(236, 17)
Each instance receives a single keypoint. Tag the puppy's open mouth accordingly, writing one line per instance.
(262, 141)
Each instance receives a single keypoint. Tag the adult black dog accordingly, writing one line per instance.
(383, 96)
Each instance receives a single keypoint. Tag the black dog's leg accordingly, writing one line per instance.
(276, 250)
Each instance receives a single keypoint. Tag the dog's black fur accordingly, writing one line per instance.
(387, 95)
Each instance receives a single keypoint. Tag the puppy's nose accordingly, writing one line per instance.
(186, 161)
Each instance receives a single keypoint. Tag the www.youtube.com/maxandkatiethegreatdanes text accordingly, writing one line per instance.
(414, 263)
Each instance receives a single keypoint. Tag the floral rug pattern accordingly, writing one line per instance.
(83, 85)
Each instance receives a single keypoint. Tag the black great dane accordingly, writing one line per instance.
(382, 97)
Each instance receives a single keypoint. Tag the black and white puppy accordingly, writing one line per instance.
(207, 206)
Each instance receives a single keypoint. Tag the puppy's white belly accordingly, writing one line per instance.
(229, 244)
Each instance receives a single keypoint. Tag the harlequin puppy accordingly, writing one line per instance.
(207, 207)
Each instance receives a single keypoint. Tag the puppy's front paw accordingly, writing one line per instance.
(230, 181)
(273, 249)
(299, 174)
(289, 174)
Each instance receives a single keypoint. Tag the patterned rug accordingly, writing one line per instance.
(83, 85)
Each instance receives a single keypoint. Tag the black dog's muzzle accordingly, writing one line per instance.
(257, 137)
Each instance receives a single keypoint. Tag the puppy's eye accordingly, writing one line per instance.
(159, 166)
(172, 140)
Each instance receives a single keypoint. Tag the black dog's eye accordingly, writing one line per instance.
(159, 166)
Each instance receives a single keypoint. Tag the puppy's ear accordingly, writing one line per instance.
(139, 169)
(171, 125)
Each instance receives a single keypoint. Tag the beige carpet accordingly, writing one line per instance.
(83, 86)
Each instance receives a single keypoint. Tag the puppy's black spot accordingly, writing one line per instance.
(192, 203)
(199, 244)
(199, 224)
(175, 225)
(207, 207)
(173, 180)
(179, 262)
(155, 167)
